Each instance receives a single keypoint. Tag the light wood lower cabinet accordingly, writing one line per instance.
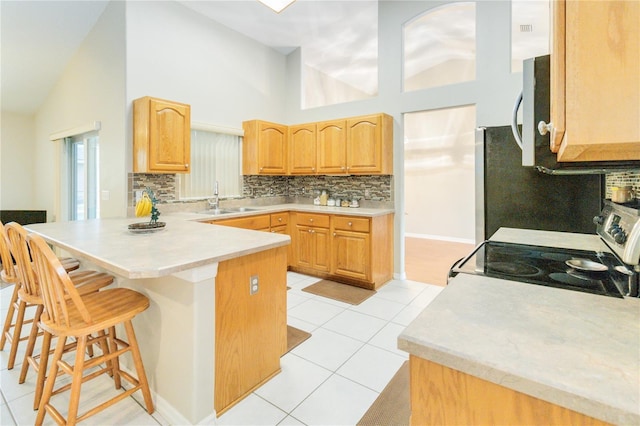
(351, 249)
(354, 250)
(312, 244)
(260, 222)
(444, 396)
(251, 330)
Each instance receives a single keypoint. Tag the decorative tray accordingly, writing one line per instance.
(146, 227)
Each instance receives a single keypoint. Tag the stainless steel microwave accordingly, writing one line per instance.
(535, 100)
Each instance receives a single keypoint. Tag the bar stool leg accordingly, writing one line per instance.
(9, 319)
(51, 378)
(115, 362)
(17, 332)
(42, 369)
(137, 361)
(33, 335)
(76, 381)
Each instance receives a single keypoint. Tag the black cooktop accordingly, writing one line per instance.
(547, 266)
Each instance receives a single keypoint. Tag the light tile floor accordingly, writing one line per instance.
(330, 379)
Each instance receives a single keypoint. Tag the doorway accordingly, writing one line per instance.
(439, 191)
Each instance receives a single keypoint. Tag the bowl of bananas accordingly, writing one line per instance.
(146, 206)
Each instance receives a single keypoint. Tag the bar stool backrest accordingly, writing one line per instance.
(9, 273)
(59, 294)
(20, 251)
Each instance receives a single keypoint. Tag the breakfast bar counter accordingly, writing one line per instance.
(203, 318)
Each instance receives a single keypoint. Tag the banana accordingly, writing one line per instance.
(144, 206)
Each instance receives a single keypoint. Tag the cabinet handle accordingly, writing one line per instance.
(350, 224)
(334, 234)
(279, 219)
(310, 220)
(342, 168)
(261, 168)
(187, 165)
(544, 128)
(313, 169)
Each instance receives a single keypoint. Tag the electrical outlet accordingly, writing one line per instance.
(253, 285)
(367, 193)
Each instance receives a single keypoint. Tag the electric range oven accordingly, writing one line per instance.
(611, 273)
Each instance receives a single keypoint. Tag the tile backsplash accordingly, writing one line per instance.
(372, 188)
(624, 179)
(366, 188)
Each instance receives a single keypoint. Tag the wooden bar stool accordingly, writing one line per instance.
(68, 314)
(9, 275)
(29, 294)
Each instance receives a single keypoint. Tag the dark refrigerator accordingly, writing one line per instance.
(511, 195)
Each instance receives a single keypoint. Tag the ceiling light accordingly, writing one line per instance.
(277, 5)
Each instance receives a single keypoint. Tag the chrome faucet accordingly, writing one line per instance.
(215, 204)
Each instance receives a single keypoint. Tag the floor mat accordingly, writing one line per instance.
(393, 405)
(341, 292)
(295, 337)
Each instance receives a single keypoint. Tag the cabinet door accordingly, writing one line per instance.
(264, 148)
(364, 145)
(302, 149)
(162, 136)
(304, 247)
(332, 149)
(321, 243)
(272, 149)
(351, 255)
(594, 79)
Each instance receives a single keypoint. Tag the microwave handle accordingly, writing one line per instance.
(514, 121)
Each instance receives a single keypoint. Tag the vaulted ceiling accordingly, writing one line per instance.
(38, 38)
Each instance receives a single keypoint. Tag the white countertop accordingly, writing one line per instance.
(182, 245)
(576, 350)
(304, 208)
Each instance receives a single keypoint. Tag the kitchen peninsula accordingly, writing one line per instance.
(495, 351)
(197, 277)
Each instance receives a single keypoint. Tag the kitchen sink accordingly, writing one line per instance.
(212, 212)
(229, 210)
(242, 209)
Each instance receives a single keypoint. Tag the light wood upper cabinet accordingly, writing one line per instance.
(355, 145)
(302, 149)
(369, 144)
(595, 83)
(264, 148)
(332, 147)
(161, 136)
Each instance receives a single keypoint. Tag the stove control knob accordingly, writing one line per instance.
(620, 237)
(598, 220)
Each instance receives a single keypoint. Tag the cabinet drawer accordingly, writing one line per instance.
(348, 223)
(259, 222)
(311, 219)
(278, 219)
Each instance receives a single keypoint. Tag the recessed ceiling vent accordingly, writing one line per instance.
(526, 28)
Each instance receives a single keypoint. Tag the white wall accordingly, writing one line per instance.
(92, 88)
(17, 143)
(174, 53)
(493, 93)
(160, 49)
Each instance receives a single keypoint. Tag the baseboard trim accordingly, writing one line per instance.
(439, 238)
